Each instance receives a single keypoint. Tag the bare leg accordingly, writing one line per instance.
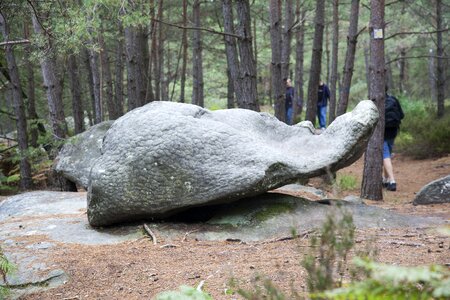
(388, 170)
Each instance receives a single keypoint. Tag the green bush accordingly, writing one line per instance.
(422, 135)
(5, 268)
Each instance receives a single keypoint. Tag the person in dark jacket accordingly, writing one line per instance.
(322, 101)
(393, 116)
(289, 100)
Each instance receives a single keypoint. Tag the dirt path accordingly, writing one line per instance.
(140, 270)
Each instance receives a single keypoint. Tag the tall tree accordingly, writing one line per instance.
(334, 62)
(440, 74)
(373, 160)
(316, 62)
(287, 38)
(352, 39)
(247, 67)
(276, 45)
(300, 13)
(184, 41)
(75, 90)
(51, 84)
(118, 72)
(19, 108)
(31, 94)
(107, 78)
(197, 57)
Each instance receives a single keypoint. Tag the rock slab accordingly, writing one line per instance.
(437, 191)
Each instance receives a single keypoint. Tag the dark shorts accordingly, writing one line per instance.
(387, 148)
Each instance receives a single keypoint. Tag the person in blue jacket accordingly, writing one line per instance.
(289, 100)
(322, 101)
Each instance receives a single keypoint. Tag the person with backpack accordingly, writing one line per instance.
(393, 116)
(322, 101)
(289, 100)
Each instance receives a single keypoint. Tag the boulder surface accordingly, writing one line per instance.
(165, 157)
(437, 191)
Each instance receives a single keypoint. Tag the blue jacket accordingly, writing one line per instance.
(289, 96)
(324, 95)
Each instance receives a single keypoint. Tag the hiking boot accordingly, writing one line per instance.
(385, 184)
(392, 186)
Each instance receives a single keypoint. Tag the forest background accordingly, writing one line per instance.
(66, 65)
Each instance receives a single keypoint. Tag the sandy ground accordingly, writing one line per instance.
(139, 269)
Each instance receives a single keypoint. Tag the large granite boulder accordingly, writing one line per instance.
(437, 191)
(75, 159)
(165, 157)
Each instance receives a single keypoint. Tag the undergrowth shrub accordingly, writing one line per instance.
(422, 135)
(5, 268)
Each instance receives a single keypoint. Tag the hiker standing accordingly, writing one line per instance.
(392, 118)
(322, 101)
(289, 100)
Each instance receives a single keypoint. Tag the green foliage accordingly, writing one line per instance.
(185, 293)
(422, 135)
(333, 244)
(5, 268)
(346, 182)
(395, 282)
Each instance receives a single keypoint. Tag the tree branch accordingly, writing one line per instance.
(198, 28)
(7, 43)
(11, 115)
(415, 32)
(410, 57)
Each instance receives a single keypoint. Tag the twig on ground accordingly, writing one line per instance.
(168, 246)
(150, 233)
(188, 233)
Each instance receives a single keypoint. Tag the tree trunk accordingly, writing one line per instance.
(149, 94)
(334, 62)
(432, 77)
(352, 39)
(316, 62)
(141, 65)
(299, 58)
(366, 63)
(107, 79)
(90, 85)
(373, 160)
(51, 84)
(247, 67)
(75, 90)
(197, 60)
(184, 40)
(231, 54)
(131, 59)
(118, 70)
(287, 38)
(33, 118)
(402, 71)
(440, 73)
(276, 45)
(389, 76)
(19, 109)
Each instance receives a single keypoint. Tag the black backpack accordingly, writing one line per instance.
(393, 114)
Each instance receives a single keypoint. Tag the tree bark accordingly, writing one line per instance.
(402, 71)
(373, 160)
(231, 54)
(184, 40)
(316, 62)
(352, 39)
(107, 79)
(118, 70)
(299, 59)
(19, 109)
(432, 77)
(287, 38)
(75, 90)
(90, 84)
(33, 118)
(247, 68)
(51, 84)
(131, 60)
(440, 73)
(197, 60)
(334, 62)
(276, 45)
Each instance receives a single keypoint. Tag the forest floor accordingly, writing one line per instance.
(139, 269)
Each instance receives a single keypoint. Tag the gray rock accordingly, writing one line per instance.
(437, 191)
(76, 157)
(165, 157)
